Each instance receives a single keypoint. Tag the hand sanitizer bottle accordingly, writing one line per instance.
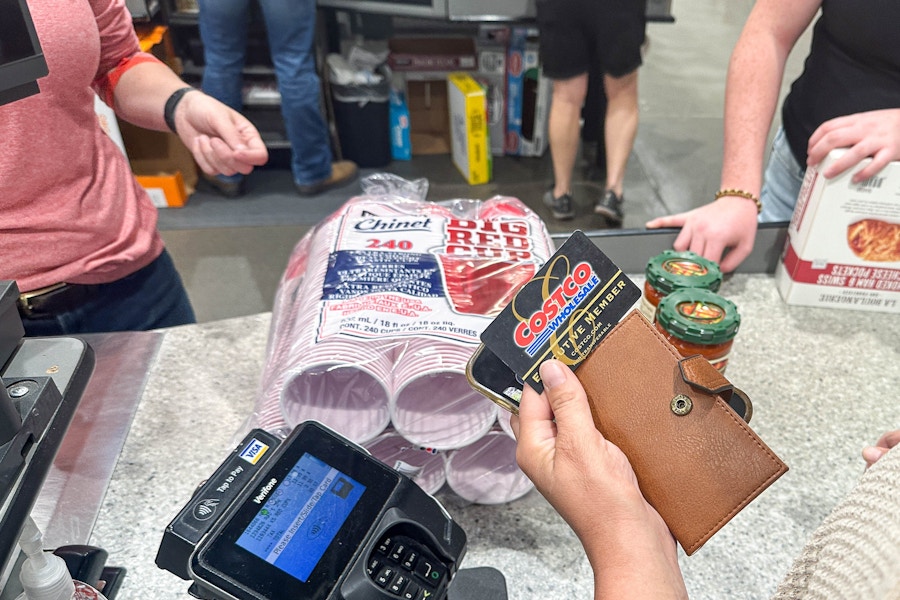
(44, 576)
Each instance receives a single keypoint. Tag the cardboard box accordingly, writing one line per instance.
(839, 251)
(432, 54)
(398, 115)
(527, 96)
(161, 163)
(167, 190)
(429, 113)
(423, 63)
(469, 137)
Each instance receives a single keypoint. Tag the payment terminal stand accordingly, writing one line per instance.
(42, 383)
(316, 517)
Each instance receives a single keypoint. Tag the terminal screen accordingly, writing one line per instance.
(300, 516)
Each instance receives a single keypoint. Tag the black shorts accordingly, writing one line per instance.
(577, 36)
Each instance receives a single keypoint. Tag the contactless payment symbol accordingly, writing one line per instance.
(205, 509)
(562, 312)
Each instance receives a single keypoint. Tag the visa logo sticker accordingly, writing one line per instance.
(254, 451)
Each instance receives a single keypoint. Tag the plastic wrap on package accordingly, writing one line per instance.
(382, 304)
(485, 471)
(423, 465)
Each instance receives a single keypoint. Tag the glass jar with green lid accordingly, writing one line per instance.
(698, 321)
(672, 270)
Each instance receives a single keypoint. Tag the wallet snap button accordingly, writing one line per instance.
(681, 405)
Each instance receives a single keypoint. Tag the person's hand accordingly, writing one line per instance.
(873, 134)
(728, 223)
(222, 140)
(590, 482)
(871, 454)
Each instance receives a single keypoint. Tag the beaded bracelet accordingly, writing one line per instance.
(741, 194)
(171, 103)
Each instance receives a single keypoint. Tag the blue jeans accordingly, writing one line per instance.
(781, 182)
(149, 298)
(290, 27)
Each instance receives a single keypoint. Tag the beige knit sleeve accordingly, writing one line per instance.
(855, 552)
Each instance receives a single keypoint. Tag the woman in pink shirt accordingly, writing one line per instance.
(77, 232)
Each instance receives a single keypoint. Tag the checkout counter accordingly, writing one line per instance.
(163, 409)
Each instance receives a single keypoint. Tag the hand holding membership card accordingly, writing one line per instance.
(697, 461)
(562, 312)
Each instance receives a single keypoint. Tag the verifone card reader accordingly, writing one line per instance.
(314, 517)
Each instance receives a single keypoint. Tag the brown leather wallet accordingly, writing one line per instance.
(697, 462)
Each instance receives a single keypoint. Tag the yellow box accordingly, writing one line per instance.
(469, 138)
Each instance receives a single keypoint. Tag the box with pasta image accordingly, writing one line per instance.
(843, 244)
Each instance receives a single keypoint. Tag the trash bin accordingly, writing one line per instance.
(361, 115)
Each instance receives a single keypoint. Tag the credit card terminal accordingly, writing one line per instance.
(319, 519)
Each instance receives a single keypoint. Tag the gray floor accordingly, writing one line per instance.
(231, 253)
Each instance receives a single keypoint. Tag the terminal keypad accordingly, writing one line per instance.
(405, 568)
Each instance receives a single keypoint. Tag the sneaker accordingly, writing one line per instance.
(609, 206)
(230, 188)
(342, 173)
(561, 208)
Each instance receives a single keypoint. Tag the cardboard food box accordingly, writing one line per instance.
(469, 136)
(527, 96)
(161, 163)
(843, 243)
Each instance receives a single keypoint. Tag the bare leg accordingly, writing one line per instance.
(563, 129)
(621, 126)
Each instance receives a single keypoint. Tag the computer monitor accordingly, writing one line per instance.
(22, 62)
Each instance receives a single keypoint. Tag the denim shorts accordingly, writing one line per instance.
(781, 182)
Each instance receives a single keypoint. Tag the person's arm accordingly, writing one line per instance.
(753, 83)
(137, 86)
(590, 482)
(856, 548)
(221, 139)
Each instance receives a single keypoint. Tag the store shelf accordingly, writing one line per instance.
(192, 69)
(184, 18)
(270, 124)
(274, 141)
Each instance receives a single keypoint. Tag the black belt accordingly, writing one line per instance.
(54, 299)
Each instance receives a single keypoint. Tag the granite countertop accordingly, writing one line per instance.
(822, 383)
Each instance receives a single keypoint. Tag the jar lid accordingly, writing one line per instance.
(671, 270)
(699, 316)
